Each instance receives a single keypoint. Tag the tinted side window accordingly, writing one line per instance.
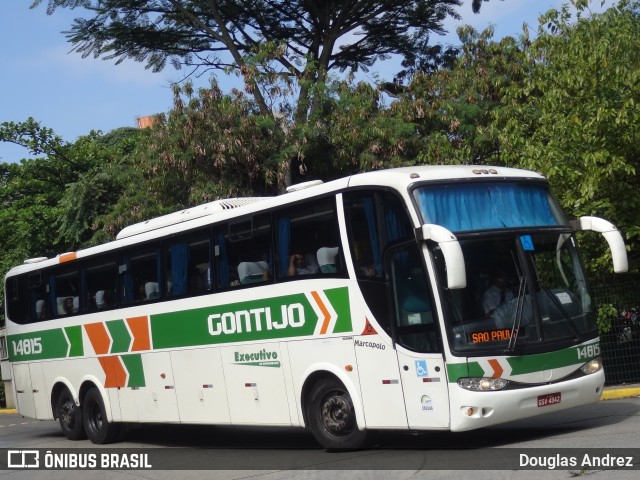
(64, 290)
(39, 308)
(15, 291)
(242, 252)
(375, 219)
(100, 282)
(308, 240)
(187, 264)
(139, 271)
(410, 288)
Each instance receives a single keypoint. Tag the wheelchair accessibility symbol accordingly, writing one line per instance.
(421, 368)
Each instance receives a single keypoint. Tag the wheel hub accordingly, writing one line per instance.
(66, 413)
(336, 415)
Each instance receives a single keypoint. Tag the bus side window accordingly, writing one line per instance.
(188, 265)
(63, 290)
(140, 275)
(414, 326)
(242, 252)
(308, 239)
(100, 282)
(374, 220)
(38, 307)
(15, 291)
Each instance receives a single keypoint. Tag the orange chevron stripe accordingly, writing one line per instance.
(497, 368)
(99, 337)
(116, 375)
(325, 312)
(139, 327)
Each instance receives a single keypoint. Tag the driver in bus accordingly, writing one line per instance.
(497, 294)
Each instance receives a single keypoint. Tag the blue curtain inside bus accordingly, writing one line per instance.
(367, 204)
(284, 239)
(222, 261)
(179, 267)
(486, 206)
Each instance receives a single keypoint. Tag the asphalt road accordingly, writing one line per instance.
(267, 453)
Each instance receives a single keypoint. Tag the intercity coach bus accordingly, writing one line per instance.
(418, 298)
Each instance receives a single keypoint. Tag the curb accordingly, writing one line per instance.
(621, 392)
(7, 410)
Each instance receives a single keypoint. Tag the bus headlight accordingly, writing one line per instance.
(484, 384)
(592, 366)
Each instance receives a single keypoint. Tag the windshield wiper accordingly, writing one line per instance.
(517, 314)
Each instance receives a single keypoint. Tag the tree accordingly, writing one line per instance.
(259, 39)
(576, 115)
(210, 146)
(94, 193)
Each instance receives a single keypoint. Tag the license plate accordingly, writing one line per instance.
(550, 399)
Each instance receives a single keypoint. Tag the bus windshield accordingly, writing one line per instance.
(523, 291)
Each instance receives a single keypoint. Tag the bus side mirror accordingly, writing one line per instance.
(452, 252)
(613, 237)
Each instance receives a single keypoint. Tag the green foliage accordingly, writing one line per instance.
(576, 116)
(209, 146)
(95, 192)
(606, 313)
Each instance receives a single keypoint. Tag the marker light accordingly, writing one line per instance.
(592, 366)
(483, 384)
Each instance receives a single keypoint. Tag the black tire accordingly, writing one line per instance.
(94, 416)
(332, 418)
(70, 416)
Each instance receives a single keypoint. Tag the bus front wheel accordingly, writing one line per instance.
(332, 417)
(70, 416)
(98, 428)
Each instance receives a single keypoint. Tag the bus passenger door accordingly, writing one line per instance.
(415, 333)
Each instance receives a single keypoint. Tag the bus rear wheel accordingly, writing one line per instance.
(98, 428)
(70, 416)
(332, 417)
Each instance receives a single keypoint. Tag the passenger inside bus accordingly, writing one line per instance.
(302, 264)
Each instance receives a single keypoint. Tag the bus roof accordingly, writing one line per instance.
(397, 178)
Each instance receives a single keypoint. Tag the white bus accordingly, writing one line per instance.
(421, 298)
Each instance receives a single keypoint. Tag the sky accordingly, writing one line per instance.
(41, 78)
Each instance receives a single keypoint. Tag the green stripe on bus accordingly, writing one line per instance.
(546, 361)
(529, 363)
(42, 345)
(133, 364)
(456, 371)
(339, 298)
(74, 334)
(263, 319)
(120, 336)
